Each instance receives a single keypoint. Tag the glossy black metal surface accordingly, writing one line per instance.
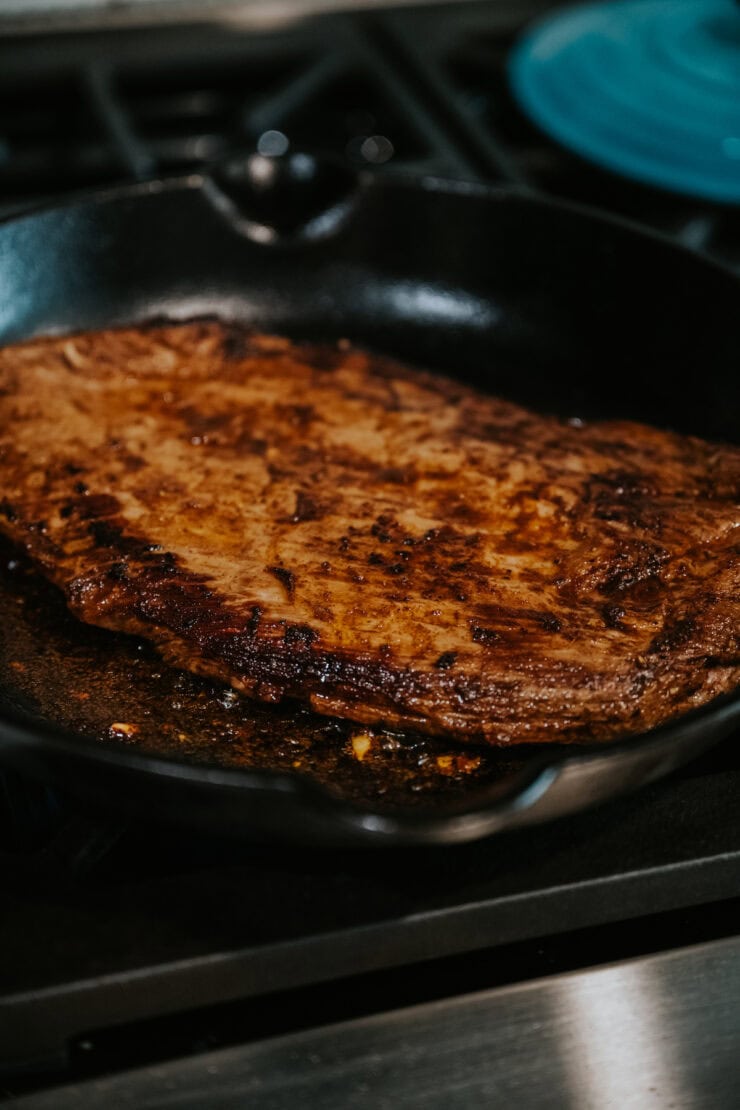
(550, 305)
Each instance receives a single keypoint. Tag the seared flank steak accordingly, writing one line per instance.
(393, 547)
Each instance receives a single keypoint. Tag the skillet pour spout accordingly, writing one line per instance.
(278, 197)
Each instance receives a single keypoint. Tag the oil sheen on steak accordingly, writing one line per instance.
(392, 546)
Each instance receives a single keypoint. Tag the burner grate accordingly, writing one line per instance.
(184, 123)
(108, 114)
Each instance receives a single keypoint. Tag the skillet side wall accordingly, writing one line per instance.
(557, 309)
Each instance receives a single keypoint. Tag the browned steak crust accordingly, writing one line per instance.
(391, 546)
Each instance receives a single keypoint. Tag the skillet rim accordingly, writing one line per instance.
(369, 181)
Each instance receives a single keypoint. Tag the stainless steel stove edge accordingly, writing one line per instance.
(656, 1031)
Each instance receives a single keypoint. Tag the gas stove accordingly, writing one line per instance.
(141, 960)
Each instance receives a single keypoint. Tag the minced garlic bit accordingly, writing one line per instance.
(454, 764)
(362, 742)
(467, 763)
(121, 728)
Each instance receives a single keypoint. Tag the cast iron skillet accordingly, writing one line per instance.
(553, 306)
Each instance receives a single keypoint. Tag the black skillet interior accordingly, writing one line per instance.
(552, 306)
